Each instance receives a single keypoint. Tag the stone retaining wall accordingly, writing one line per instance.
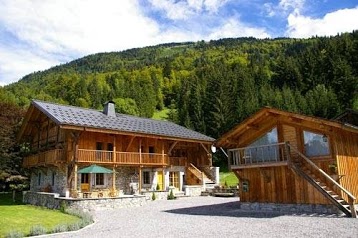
(290, 208)
(53, 201)
(193, 190)
(159, 195)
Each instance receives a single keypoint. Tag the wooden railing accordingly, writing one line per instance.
(272, 153)
(121, 158)
(45, 158)
(350, 196)
(195, 175)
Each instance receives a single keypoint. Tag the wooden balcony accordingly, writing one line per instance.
(50, 157)
(56, 156)
(259, 156)
(128, 158)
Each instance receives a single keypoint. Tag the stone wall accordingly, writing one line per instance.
(159, 195)
(193, 190)
(48, 180)
(53, 201)
(290, 208)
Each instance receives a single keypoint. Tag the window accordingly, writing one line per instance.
(174, 179)
(110, 147)
(53, 178)
(315, 144)
(39, 178)
(151, 150)
(99, 179)
(264, 153)
(84, 178)
(146, 177)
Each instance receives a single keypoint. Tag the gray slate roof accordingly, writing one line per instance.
(77, 116)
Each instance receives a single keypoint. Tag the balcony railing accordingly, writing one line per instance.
(104, 157)
(122, 158)
(259, 155)
(45, 158)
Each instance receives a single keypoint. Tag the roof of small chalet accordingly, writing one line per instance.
(266, 118)
(83, 118)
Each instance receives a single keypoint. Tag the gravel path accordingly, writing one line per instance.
(208, 217)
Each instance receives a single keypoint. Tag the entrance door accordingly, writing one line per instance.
(85, 186)
(174, 180)
(160, 179)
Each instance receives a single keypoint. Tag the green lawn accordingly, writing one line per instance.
(229, 178)
(15, 216)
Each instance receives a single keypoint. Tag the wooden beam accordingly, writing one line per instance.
(172, 147)
(206, 149)
(130, 143)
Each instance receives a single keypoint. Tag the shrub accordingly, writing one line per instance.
(60, 228)
(153, 196)
(158, 187)
(63, 206)
(171, 195)
(14, 234)
(37, 230)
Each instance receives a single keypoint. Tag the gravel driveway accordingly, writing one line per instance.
(209, 217)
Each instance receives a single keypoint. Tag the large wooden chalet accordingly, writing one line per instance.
(128, 154)
(283, 157)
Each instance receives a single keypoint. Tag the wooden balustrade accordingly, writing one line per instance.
(45, 158)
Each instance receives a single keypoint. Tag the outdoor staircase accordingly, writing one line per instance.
(199, 176)
(305, 168)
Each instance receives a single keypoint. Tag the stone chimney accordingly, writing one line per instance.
(109, 109)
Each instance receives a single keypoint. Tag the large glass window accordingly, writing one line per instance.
(315, 144)
(263, 149)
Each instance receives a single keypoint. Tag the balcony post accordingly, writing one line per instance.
(75, 178)
(140, 151)
(162, 152)
(114, 151)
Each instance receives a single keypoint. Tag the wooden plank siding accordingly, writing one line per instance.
(346, 146)
(279, 185)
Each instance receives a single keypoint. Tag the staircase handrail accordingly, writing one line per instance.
(323, 173)
(195, 168)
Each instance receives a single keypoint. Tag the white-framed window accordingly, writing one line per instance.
(315, 144)
(174, 179)
(146, 177)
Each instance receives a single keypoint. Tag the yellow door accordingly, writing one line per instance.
(160, 180)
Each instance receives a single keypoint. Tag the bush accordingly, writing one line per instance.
(158, 187)
(14, 234)
(37, 230)
(153, 196)
(63, 206)
(60, 228)
(171, 195)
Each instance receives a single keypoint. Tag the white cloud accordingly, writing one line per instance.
(182, 10)
(234, 28)
(344, 20)
(38, 34)
(283, 8)
(291, 4)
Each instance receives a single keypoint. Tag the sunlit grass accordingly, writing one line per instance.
(19, 217)
(229, 178)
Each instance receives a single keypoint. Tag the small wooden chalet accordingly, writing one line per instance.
(283, 157)
(88, 153)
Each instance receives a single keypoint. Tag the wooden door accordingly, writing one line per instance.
(160, 180)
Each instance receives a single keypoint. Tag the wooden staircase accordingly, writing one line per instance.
(305, 168)
(196, 176)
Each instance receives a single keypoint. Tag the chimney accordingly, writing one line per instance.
(109, 109)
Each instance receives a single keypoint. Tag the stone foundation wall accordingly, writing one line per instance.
(217, 189)
(51, 180)
(193, 190)
(53, 201)
(159, 195)
(290, 208)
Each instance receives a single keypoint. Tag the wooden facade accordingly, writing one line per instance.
(301, 159)
(150, 161)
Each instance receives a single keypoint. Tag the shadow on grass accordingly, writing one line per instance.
(6, 199)
(230, 209)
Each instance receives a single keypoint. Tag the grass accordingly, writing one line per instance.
(20, 217)
(161, 115)
(229, 178)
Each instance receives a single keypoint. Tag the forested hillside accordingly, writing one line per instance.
(209, 86)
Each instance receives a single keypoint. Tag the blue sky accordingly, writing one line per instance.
(39, 34)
